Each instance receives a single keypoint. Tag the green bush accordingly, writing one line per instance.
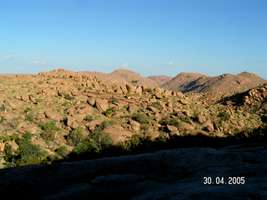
(88, 118)
(170, 121)
(9, 156)
(49, 130)
(97, 140)
(2, 108)
(114, 101)
(49, 126)
(224, 116)
(104, 125)
(109, 112)
(157, 105)
(29, 153)
(62, 151)
(134, 142)
(76, 136)
(141, 118)
(134, 81)
(29, 116)
(2, 119)
(68, 97)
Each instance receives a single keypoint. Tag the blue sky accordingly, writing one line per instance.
(149, 36)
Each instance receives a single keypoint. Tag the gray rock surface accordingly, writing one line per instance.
(168, 174)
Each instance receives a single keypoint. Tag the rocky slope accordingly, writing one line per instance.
(46, 117)
(218, 86)
(160, 80)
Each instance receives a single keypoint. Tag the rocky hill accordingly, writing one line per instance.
(218, 86)
(182, 81)
(160, 80)
(47, 116)
(133, 78)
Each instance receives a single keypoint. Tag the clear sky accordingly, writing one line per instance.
(149, 36)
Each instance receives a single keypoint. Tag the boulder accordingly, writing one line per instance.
(117, 133)
(135, 126)
(130, 88)
(139, 90)
(101, 105)
(91, 101)
(72, 123)
(52, 115)
(208, 126)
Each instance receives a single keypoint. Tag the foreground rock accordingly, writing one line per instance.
(170, 174)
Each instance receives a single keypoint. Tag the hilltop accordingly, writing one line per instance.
(214, 87)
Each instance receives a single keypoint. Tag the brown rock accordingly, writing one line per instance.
(172, 129)
(91, 101)
(12, 145)
(118, 134)
(102, 105)
(92, 124)
(139, 90)
(135, 126)
(201, 118)
(153, 109)
(185, 127)
(72, 123)
(208, 126)
(52, 115)
(2, 146)
(130, 88)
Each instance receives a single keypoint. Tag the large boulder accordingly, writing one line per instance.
(101, 105)
(117, 133)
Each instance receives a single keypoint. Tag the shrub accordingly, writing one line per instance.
(76, 136)
(134, 81)
(109, 112)
(49, 130)
(68, 97)
(157, 105)
(141, 118)
(2, 119)
(88, 118)
(9, 156)
(49, 126)
(62, 151)
(28, 152)
(134, 142)
(170, 121)
(114, 101)
(97, 142)
(2, 108)
(29, 117)
(224, 116)
(104, 125)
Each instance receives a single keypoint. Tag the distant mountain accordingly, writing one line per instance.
(223, 85)
(133, 77)
(182, 81)
(122, 76)
(160, 80)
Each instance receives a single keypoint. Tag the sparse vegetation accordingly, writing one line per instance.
(88, 118)
(49, 130)
(26, 154)
(109, 112)
(141, 118)
(76, 136)
(224, 116)
(64, 116)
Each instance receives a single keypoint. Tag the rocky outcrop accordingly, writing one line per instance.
(171, 174)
